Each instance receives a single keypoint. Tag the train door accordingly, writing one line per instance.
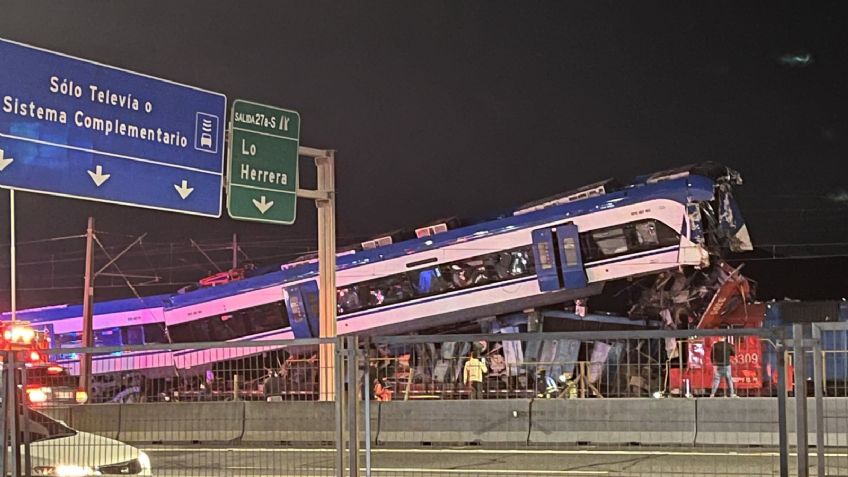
(302, 305)
(559, 260)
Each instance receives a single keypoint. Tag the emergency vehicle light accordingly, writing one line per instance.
(55, 369)
(37, 395)
(19, 334)
(81, 397)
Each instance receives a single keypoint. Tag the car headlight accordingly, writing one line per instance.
(144, 460)
(65, 471)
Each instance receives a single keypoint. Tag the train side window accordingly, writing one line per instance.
(348, 299)
(390, 290)
(154, 333)
(611, 242)
(225, 327)
(435, 280)
(521, 263)
(262, 318)
(646, 233)
(620, 240)
(70, 340)
(107, 337)
(200, 331)
(428, 281)
(181, 333)
(132, 335)
(666, 235)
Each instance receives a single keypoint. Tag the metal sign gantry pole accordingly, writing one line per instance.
(325, 201)
(12, 252)
(799, 355)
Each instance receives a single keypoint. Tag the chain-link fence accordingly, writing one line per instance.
(243, 409)
(632, 403)
(830, 409)
(570, 367)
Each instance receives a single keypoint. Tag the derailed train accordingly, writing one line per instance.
(673, 225)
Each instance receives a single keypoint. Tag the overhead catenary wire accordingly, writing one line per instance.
(176, 260)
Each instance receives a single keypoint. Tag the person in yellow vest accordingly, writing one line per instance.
(570, 385)
(472, 375)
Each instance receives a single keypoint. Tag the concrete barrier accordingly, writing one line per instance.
(754, 421)
(289, 421)
(748, 421)
(720, 421)
(182, 422)
(101, 419)
(835, 422)
(60, 413)
(612, 421)
(445, 422)
(298, 421)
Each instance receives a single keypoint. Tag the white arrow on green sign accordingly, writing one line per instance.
(263, 179)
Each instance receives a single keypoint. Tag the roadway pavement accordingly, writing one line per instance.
(191, 461)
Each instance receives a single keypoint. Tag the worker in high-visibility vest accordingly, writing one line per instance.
(472, 375)
(570, 385)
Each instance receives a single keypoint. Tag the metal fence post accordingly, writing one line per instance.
(13, 464)
(818, 377)
(352, 398)
(4, 376)
(24, 425)
(366, 399)
(783, 435)
(800, 398)
(338, 396)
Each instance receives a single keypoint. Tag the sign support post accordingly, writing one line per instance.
(325, 201)
(13, 251)
(263, 186)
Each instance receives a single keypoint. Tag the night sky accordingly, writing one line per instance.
(466, 109)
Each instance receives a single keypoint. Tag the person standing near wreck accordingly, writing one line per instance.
(473, 373)
(720, 356)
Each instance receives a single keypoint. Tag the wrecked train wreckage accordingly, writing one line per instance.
(712, 294)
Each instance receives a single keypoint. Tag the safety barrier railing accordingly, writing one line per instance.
(583, 403)
(199, 372)
(200, 409)
(261, 408)
(595, 367)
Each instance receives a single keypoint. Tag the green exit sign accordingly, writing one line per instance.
(263, 159)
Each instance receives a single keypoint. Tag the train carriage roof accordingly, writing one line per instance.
(60, 312)
(680, 190)
(668, 185)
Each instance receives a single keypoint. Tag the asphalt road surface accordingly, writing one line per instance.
(197, 461)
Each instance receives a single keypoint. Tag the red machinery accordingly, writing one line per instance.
(729, 308)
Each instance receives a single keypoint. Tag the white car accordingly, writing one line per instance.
(59, 451)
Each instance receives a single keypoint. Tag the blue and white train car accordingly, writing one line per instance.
(546, 253)
(133, 321)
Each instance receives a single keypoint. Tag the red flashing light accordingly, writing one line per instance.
(34, 356)
(19, 334)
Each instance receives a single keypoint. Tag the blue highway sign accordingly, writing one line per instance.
(76, 128)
